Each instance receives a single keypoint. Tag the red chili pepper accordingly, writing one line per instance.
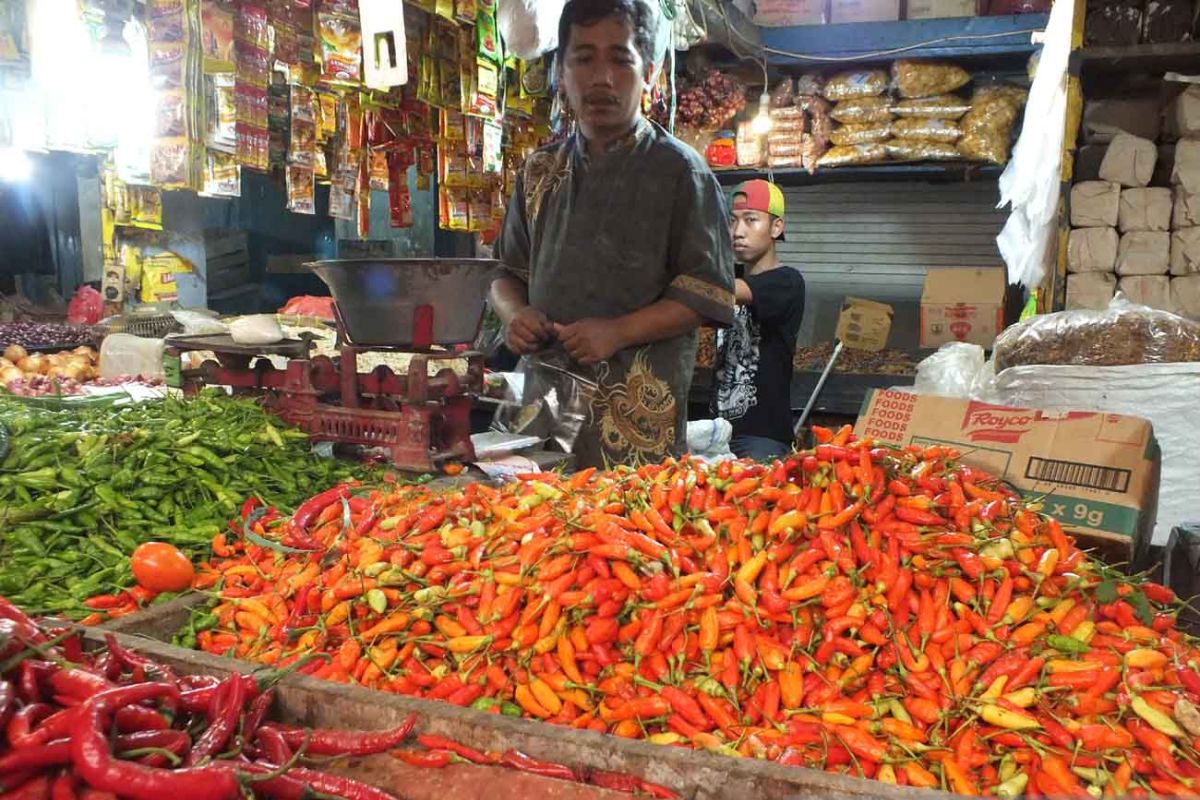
(347, 743)
(175, 742)
(517, 760)
(228, 703)
(272, 746)
(311, 508)
(300, 782)
(429, 759)
(461, 750)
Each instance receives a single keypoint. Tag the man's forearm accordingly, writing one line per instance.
(508, 296)
(660, 320)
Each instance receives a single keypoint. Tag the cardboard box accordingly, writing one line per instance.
(962, 305)
(1091, 290)
(1092, 249)
(1129, 160)
(1095, 204)
(1152, 291)
(785, 13)
(1144, 253)
(864, 10)
(864, 324)
(1145, 209)
(941, 9)
(1097, 472)
(1185, 251)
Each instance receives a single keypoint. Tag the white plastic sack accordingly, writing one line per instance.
(957, 369)
(1164, 394)
(256, 329)
(1031, 180)
(709, 438)
(199, 323)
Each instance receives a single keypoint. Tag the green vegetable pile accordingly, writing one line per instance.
(81, 489)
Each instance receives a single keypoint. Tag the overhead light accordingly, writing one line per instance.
(15, 165)
(761, 123)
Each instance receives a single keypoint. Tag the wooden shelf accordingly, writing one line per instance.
(957, 38)
(1180, 56)
(933, 171)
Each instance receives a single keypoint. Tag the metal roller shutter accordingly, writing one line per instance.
(875, 240)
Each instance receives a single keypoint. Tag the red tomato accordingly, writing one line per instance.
(161, 567)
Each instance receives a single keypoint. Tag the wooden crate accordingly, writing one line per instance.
(308, 701)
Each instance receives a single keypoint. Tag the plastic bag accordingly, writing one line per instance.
(86, 307)
(784, 94)
(916, 150)
(927, 78)
(860, 134)
(853, 154)
(556, 400)
(929, 130)
(811, 150)
(858, 83)
(862, 111)
(987, 127)
(1123, 333)
(1180, 569)
(810, 83)
(942, 106)
(198, 323)
(309, 306)
(957, 369)
(256, 329)
(1013, 95)
(529, 27)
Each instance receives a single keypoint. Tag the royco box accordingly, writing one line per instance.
(962, 305)
(1097, 472)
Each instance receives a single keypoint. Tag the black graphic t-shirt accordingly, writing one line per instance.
(754, 356)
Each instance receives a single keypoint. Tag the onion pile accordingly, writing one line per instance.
(44, 334)
(35, 374)
(710, 103)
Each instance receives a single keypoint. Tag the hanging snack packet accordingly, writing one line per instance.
(301, 189)
(341, 48)
(222, 175)
(216, 37)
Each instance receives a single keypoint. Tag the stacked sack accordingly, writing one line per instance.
(1129, 236)
(925, 120)
(1183, 119)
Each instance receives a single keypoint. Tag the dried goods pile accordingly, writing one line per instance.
(81, 489)
(879, 612)
(78, 724)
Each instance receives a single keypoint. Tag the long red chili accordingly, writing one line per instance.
(514, 759)
(132, 660)
(323, 782)
(347, 743)
(311, 508)
(228, 703)
(20, 728)
(95, 764)
(460, 750)
(175, 742)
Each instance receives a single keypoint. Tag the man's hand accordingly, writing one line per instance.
(527, 331)
(592, 340)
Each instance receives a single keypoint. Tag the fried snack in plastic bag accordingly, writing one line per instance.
(987, 127)
(857, 83)
(917, 150)
(811, 150)
(927, 78)
(942, 106)
(862, 111)
(860, 134)
(784, 94)
(1014, 95)
(929, 130)
(785, 161)
(984, 146)
(810, 83)
(821, 127)
(853, 154)
(1123, 333)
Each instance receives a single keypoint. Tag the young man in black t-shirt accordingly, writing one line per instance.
(754, 355)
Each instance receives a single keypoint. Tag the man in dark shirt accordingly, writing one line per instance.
(754, 355)
(615, 247)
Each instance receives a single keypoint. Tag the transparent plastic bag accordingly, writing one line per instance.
(917, 150)
(784, 94)
(862, 111)
(857, 83)
(942, 106)
(1123, 333)
(1013, 95)
(860, 134)
(555, 403)
(927, 78)
(853, 154)
(929, 130)
(957, 369)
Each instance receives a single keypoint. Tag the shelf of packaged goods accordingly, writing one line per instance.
(934, 171)
(1180, 56)
(959, 37)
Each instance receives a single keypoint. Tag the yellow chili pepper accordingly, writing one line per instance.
(1145, 658)
(545, 695)
(996, 689)
(1062, 608)
(467, 644)
(1084, 631)
(1003, 718)
(1063, 665)
(1156, 719)
(886, 774)
(1022, 697)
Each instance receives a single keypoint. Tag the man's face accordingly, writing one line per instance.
(604, 76)
(753, 233)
